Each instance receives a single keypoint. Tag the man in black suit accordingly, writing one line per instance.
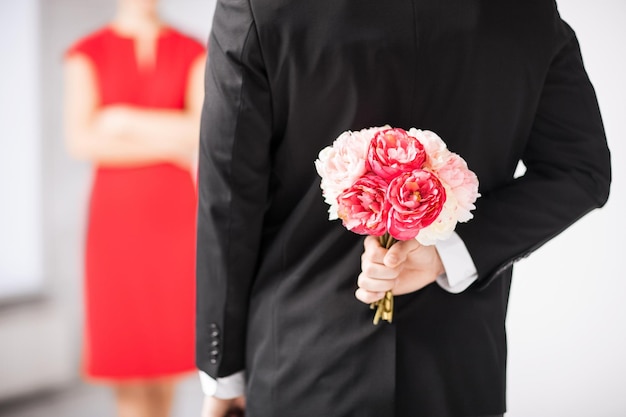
(500, 82)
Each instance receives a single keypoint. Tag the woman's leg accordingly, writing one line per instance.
(162, 395)
(145, 398)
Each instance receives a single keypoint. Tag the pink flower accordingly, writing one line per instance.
(393, 152)
(462, 182)
(340, 165)
(362, 206)
(415, 199)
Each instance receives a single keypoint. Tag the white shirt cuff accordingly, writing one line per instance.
(460, 269)
(231, 386)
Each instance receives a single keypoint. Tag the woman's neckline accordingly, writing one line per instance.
(162, 31)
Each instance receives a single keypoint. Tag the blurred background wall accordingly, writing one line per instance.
(567, 316)
(43, 193)
(566, 323)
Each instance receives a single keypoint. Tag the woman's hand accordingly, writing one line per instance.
(406, 267)
(117, 122)
(114, 121)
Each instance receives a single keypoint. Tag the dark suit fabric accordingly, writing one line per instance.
(500, 82)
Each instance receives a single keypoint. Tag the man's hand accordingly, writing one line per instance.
(406, 267)
(218, 407)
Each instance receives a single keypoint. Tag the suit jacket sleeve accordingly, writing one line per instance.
(568, 169)
(233, 175)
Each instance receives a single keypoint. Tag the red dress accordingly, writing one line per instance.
(140, 249)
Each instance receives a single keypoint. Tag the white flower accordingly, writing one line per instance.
(442, 228)
(436, 149)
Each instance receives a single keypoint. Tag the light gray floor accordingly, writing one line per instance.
(83, 400)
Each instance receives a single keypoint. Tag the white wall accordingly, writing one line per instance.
(43, 200)
(21, 243)
(567, 317)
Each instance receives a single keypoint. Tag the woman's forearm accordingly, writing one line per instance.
(173, 130)
(120, 135)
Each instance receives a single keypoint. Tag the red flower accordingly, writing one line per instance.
(362, 206)
(393, 152)
(414, 200)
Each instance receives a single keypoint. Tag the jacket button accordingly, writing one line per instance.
(215, 343)
(213, 361)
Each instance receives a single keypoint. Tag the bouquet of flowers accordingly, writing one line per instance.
(397, 185)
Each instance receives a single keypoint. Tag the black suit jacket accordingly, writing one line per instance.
(499, 81)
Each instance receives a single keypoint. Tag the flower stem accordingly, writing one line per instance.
(384, 306)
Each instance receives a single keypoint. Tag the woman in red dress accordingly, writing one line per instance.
(132, 104)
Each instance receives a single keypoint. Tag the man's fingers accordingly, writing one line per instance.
(380, 267)
(374, 284)
(399, 252)
(377, 270)
(391, 257)
(368, 297)
(215, 407)
(373, 251)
